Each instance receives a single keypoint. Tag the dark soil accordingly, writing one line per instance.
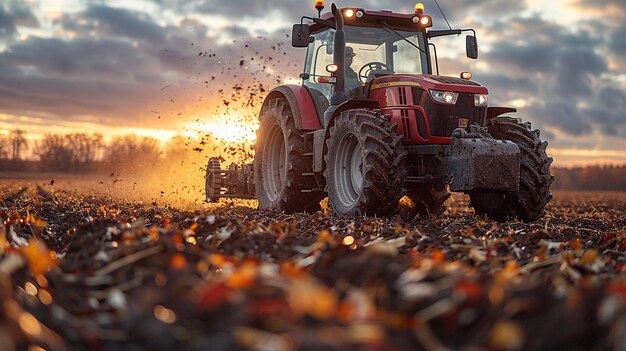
(91, 273)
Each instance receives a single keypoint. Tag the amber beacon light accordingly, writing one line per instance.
(419, 8)
(319, 6)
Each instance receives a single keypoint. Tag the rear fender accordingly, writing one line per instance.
(301, 103)
(493, 112)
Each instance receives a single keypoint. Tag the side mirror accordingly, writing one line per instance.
(300, 35)
(471, 47)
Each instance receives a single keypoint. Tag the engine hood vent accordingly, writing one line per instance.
(452, 80)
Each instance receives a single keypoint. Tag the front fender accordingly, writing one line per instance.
(493, 112)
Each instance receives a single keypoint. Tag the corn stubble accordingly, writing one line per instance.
(82, 272)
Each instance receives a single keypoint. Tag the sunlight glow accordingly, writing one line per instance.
(161, 135)
(224, 131)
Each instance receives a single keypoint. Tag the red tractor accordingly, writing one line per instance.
(371, 123)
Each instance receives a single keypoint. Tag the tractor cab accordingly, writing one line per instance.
(371, 52)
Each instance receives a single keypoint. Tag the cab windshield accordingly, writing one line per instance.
(370, 52)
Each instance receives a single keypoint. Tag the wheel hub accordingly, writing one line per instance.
(274, 163)
(348, 177)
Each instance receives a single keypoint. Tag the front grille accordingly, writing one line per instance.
(406, 127)
(422, 129)
(453, 80)
(443, 119)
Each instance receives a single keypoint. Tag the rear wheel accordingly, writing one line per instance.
(528, 203)
(279, 162)
(364, 164)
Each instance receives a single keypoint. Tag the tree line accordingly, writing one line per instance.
(599, 177)
(82, 152)
(77, 152)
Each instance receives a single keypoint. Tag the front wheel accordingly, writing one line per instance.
(364, 164)
(528, 203)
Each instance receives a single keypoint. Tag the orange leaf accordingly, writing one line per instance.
(243, 277)
(178, 262)
(507, 335)
(589, 257)
(40, 258)
(438, 256)
(576, 245)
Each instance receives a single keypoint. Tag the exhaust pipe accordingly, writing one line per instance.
(339, 58)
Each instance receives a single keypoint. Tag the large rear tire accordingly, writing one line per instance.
(527, 204)
(279, 162)
(364, 164)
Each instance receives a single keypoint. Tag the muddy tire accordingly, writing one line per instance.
(425, 201)
(279, 162)
(364, 164)
(213, 180)
(527, 204)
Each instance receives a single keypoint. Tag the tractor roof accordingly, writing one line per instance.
(374, 18)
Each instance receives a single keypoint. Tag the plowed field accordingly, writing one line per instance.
(90, 272)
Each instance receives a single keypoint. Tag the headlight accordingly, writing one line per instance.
(444, 97)
(480, 100)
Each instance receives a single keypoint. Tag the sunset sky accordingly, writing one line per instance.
(166, 67)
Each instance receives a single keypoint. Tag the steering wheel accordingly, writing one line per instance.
(369, 67)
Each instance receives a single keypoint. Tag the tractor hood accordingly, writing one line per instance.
(430, 82)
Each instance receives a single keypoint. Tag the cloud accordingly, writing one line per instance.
(553, 67)
(506, 87)
(606, 9)
(564, 115)
(83, 57)
(618, 41)
(115, 65)
(125, 23)
(12, 15)
(456, 11)
(575, 71)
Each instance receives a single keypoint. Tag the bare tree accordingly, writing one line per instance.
(130, 152)
(54, 153)
(18, 144)
(84, 148)
(4, 147)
